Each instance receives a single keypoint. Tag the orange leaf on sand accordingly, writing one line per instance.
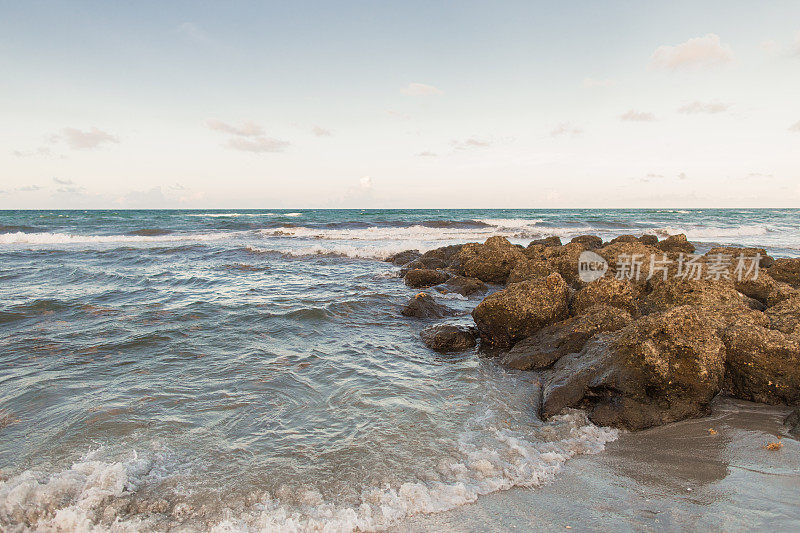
(712, 431)
(774, 446)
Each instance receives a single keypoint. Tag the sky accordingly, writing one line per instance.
(399, 105)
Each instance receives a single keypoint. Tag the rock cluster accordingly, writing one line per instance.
(645, 344)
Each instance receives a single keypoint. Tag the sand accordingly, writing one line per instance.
(673, 478)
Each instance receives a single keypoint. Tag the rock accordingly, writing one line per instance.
(785, 316)
(490, 262)
(625, 238)
(763, 364)
(621, 294)
(787, 271)
(793, 422)
(546, 346)
(422, 262)
(662, 368)
(564, 260)
(765, 289)
(676, 244)
(425, 277)
(445, 253)
(630, 260)
(521, 309)
(449, 338)
(546, 242)
(403, 258)
(589, 241)
(424, 306)
(530, 269)
(463, 286)
(649, 240)
(735, 253)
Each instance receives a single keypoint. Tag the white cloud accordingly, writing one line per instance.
(258, 145)
(82, 140)
(565, 128)
(62, 181)
(321, 132)
(637, 116)
(771, 47)
(246, 129)
(795, 126)
(28, 188)
(683, 176)
(697, 52)
(470, 143)
(365, 182)
(421, 89)
(593, 82)
(700, 107)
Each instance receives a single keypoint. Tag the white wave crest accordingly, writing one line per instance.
(70, 238)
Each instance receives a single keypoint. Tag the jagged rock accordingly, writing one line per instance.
(589, 241)
(530, 269)
(785, 316)
(625, 238)
(449, 338)
(490, 262)
(662, 368)
(445, 253)
(609, 291)
(765, 289)
(787, 271)
(735, 253)
(403, 258)
(763, 364)
(649, 240)
(793, 422)
(422, 262)
(676, 244)
(463, 286)
(546, 242)
(546, 346)
(424, 277)
(564, 260)
(630, 260)
(521, 309)
(424, 306)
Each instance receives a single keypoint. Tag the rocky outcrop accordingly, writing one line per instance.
(530, 269)
(553, 240)
(403, 258)
(734, 254)
(787, 271)
(662, 368)
(625, 238)
(463, 286)
(621, 294)
(449, 338)
(590, 242)
(424, 277)
(649, 240)
(521, 309)
(491, 261)
(676, 244)
(545, 347)
(423, 305)
(785, 316)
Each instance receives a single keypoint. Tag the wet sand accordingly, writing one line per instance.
(677, 477)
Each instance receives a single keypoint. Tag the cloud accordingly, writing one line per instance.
(795, 126)
(28, 188)
(41, 151)
(637, 116)
(365, 182)
(420, 89)
(84, 140)
(321, 132)
(246, 129)
(426, 154)
(771, 47)
(63, 181)
(697, 52)
(70, 190)
(257, 145)
(471, 143)
(700, 107)
(565, 129)
(683, 176)
(593, 82)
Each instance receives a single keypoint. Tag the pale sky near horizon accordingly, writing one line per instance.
(408, 104)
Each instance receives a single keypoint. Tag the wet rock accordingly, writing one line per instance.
(546, 242)
(734, 253)
(793, 422)
(403, 258)
(424, 306)
(589, 241)
(424, 277)
(676, 244)
(463, 286)
(621, 294)
(546, 346)
(787, 271)
(662, 368)
(530, 269)
(449, 338)
(785, 316)
(422, 262)
(649, 240)
(763, 364)
(445, 253)
(521, 309)
(490, 262)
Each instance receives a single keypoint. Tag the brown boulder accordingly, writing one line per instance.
(649, 240)
(553, 240)
(422, 262)
(403, 258)
(662, 368)
(546, 346)
(491, 261)
(621, 294)
(625, 238)
(463, 286)
(787, 271)
(445, 253)
(521, 309)
(785, 316)
(763, 364)
(530, 269)
(734, 253)
(589, 241)
(423, 277)
(676, 244)
(424, 306)
(449, 338)
(765, 289)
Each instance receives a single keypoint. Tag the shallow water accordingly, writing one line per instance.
(249, 370)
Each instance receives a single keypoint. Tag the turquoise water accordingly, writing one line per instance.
(250, 370)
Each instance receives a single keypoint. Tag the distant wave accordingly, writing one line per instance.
(232, 215)
(47, 238)
(19, 229)
(150, 232)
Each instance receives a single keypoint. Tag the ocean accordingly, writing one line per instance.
(249, 370)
